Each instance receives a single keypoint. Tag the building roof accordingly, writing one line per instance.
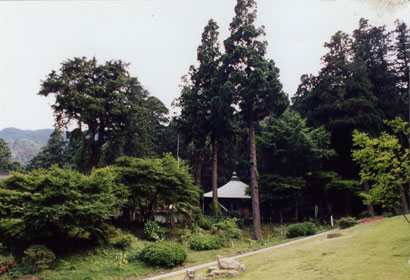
(233, 189)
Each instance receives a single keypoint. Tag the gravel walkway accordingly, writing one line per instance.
(181, 271)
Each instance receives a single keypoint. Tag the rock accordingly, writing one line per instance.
(212, 268)
(218, 272)
(333, 235)
(190, 275)
(241, 267)
(226, 263)
(233, 273)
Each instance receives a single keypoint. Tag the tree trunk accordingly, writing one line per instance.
(256, 218)
(198, 168)
(403, 201)
(214, 169)
(366, 188)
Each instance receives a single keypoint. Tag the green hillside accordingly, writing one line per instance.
(25, 144)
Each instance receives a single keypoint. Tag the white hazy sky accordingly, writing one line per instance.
(159, 38)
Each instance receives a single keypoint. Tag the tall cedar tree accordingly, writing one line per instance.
(206, 105)
(255, 80)
(104, 101)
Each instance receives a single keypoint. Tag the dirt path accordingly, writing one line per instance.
(181, 271)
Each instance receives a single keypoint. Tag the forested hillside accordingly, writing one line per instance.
(25, 144)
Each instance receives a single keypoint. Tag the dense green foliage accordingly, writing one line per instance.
(46, 205)
(347, 222)
(384, 164)
(157, 184)
(361, 83)
(165, 254)
(204, 242)
(301, 229)
(38, 257)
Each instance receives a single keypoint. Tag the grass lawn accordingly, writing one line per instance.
(376, 250)
(104, 263)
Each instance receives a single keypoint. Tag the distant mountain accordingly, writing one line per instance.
(39, 136)
(25, 144)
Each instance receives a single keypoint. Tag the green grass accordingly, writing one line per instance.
(377, 250)
(102, 263)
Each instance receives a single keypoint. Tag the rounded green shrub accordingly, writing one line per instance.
(347, 222)
(301, 229)
(204, 242)
(164, 254)
(38, 257)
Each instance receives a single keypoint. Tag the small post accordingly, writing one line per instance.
(331, 221)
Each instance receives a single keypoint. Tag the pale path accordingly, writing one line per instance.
(181, 271)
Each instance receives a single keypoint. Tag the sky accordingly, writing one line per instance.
(159, 39)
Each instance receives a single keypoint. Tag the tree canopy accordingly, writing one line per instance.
(105, 102)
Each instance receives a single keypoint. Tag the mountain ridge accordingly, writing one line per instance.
(25, 144)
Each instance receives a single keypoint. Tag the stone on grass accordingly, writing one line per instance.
(233, 273)
(218, 272)
(226, 263)
(212, 268)
(190, 275)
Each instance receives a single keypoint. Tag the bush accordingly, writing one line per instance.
(7, 263)
(121, 241)
(38, 257)
(153, 232)
(133, 255)
(204, 242)
(228, 227)
(227, 230)
(205, 222)
(347, 222)
(301, 229)
(163, 254)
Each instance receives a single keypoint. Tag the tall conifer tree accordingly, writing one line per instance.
(256, 83)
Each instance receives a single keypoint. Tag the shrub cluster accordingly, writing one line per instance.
(6, 263)
(38, 257)
(347, 222)
(164, 254)
(301, 229)
(204, 242)
(121, 241)
(153, 232)
(228, 227)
